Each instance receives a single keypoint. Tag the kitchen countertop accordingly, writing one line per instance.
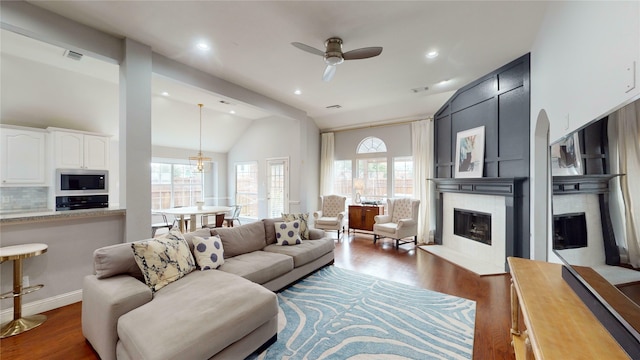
(27, 216)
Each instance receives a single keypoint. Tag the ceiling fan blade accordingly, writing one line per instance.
(329, 71)
(307, 48)
(362, 53)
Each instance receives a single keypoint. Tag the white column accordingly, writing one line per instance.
(135, 139)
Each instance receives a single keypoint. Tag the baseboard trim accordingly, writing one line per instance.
(40, 306)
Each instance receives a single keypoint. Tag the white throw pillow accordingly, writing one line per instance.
(288, 233)
(208, 252)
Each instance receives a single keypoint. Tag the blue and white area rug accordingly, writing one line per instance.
(340, 314)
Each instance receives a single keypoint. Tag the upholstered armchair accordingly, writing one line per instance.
(400, 222)
(331, 215)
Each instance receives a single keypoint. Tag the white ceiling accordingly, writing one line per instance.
(250, 46)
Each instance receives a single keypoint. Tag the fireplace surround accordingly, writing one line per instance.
(509, 188)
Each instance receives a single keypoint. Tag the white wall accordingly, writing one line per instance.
(397, 138)
(280, 137)
(582, 67)
(582, 62)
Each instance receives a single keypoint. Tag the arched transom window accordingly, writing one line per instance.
(371, 144)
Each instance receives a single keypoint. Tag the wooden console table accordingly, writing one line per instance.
(558, 324)
(361, 217)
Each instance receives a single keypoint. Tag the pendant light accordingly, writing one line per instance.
(199, 159)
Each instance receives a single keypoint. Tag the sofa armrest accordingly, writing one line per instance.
(341, 216)
(103, 302)
(317, 214)
(315, 234)
(382, 219)
(406, 223)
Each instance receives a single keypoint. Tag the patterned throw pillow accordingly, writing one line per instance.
(288, 233)
(208, 252)
(163, 260)
(304, 220)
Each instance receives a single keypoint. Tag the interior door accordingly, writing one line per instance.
(277, 187)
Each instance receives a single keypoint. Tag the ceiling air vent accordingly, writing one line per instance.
(420, 89)
(73, 55)
(334, 107)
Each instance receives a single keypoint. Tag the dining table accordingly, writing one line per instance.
(190, 212)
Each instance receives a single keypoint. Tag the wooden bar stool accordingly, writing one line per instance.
(17, 253)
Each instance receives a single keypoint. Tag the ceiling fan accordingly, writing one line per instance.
(334, 56)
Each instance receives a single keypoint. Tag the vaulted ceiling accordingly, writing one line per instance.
(250, 45)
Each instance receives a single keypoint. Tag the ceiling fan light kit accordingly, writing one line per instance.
(334, 56)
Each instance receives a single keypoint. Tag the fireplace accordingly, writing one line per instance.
(472, 225)
(569, 231)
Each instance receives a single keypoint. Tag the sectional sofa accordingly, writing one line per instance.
(225, 313)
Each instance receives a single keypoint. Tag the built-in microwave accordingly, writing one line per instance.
(81, 182)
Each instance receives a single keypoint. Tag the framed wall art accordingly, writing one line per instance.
(565, 157)
(470, 153)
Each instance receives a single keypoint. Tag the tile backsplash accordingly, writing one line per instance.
(23, 198)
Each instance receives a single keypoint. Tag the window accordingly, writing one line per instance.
(373, 174)
(343, 179)
(371, 145)
(174, 185)
(403, 177)
(247, 188)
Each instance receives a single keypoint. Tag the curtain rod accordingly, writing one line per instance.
(430, 118)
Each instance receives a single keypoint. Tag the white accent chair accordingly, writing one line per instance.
(331, 215)
(400, 222)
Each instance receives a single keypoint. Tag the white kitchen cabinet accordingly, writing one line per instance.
(76, 150)
(23, 160)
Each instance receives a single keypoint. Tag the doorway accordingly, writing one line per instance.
(277, 187)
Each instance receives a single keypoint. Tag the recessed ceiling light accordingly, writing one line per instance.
(232, 112)
(443, 82)
(203, 46)
(297, 92)
(164, 93)
(432, 54)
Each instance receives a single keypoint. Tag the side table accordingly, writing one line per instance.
(17, 253)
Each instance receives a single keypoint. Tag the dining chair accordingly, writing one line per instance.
(176, 220)
(233, 216)
(159, 225)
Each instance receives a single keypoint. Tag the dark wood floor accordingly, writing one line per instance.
(60, 337)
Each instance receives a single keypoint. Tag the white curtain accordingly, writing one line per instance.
(422, 149)
(629, 157)
(326, 164)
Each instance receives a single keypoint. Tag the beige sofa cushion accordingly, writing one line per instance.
(304, 253)
(196, 317)
(269, 229)
(114, 260)
(242, 239)
(258, 266)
